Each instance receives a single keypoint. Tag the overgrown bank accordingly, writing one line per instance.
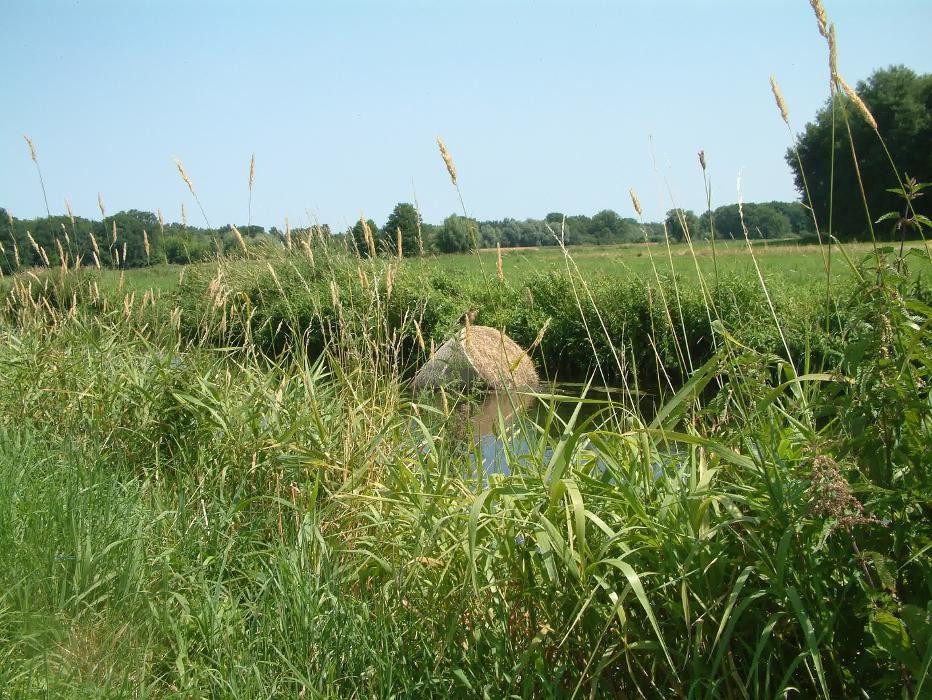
(189, 518)
(651, 331)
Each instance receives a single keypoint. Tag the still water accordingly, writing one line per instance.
(503, 428)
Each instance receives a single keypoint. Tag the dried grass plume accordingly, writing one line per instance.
(821, 17)
(239, 238)
(635, 202)
(32, 149)
(858, 102)
(447, 159)
(184, 176)
(781, 103)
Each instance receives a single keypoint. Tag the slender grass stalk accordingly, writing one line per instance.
(473, 233)
(708, 204)
(35, 159)
(252, 179)
(187, 181)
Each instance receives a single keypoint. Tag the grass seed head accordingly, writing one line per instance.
(239, 238)
(38, 249)
(781, 103)
(367, 232)
(499, 268)
(161, 221)
(636, 203)
(100, 205)
(420, 335)
(540, 335)
(145, 243)
(447, 159)
(32, 149)
(398, 249)
(858, 102)
(184, 216)
(184, 176)
(833, 54)
(252, 171)
(68, 209)
(702, 159)
(821, 17)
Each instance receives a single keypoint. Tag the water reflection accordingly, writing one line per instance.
(505, 428)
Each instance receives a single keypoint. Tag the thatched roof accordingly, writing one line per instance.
(478, 356)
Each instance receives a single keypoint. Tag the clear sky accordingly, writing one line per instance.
(544, 105)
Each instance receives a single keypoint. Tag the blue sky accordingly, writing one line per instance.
(545, 105)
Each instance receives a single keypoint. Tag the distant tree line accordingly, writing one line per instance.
(137, 238)
(459, 234)
(774, 220)
(899, 102)
(124, 240)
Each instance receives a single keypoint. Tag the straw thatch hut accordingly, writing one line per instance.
(478, 357)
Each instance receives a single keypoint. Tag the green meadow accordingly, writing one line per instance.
(219, 482)
(217, 479)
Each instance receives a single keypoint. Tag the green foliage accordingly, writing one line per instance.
(184, 519)
(227, 489)
(761, 220)
(454, 235)
(680, 222)
(899, 100)
(404, 218)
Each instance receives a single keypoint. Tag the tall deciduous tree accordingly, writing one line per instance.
(454, 235)
(677, 219)
(901, 103)
(406, 218)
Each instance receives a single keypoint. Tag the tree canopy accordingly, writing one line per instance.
(406, 219)
(454, 236)
(679, 221)
(901, 103)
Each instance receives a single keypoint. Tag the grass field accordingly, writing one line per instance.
(218, 481)
(795, 263)
(189, 514)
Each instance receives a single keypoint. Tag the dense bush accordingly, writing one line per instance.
(649, 328)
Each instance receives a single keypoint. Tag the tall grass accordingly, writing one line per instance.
(231, 491)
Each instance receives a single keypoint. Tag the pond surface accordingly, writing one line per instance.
(504, 427)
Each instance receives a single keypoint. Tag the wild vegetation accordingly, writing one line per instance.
(218, 481)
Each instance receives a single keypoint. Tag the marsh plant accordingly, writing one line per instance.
(228, 488)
